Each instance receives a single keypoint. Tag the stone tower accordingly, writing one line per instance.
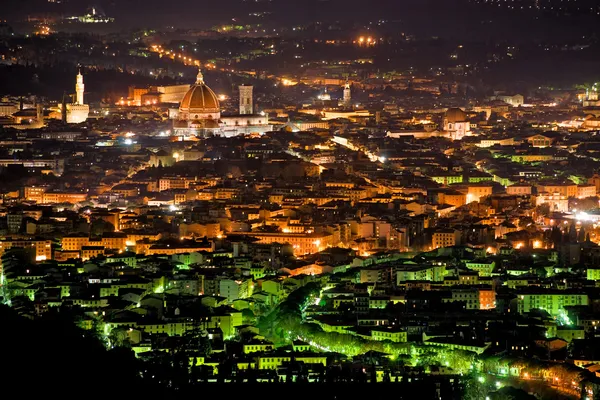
(347, 95)
(246, 106)
(79, 89)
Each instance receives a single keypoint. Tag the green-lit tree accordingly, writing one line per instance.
(474, 389)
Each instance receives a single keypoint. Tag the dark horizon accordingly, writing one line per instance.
(452, 19)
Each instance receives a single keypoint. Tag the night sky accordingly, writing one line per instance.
(445, 18)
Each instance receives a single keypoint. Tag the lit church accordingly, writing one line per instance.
(200, 114)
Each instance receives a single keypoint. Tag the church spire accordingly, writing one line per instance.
(200, 78)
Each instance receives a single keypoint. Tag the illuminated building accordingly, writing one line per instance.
(78, 112)
(74, 242)
(476, 192)
(563, 189)
(391, 333)
(347, 100)
(531, 158)
(136, 94)
(246, 106)
(209, 230)
(556, 201)
(31, 118)
(352, 115)
(519, 190)
(312, 269)
(34, 193)
(453, 198)
(136, 236)
(417, 134)
(454, 344)
(540, 140)
(550, 300)
(43, 248)
(302, 243)
(475, 298)
(515, 100)
(456, 124)
(593, 274)
(274, 361)
(112, 217)
(325, 96)
(485, 143)
(447, 178)
(7, 109)
(92, 17)
(114, 241)
(591, 97)
(89, 248)
(235, 289)
(161, 158)
(433, 273)
(144, 96)
(445, 238)
(89, 252)
(483, 267)
(55, 197)
(170, 249)
(585, 191)
(200, 114)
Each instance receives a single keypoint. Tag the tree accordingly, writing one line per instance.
(474, 389)
(581, 235)
(544, 209)
(572, 234)
(99, 227)
(118, 337)
(511, 393)
(66, 354)
(248, 316)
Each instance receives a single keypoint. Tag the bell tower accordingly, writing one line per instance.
(79, 89)
(246, 106)
(347, 95)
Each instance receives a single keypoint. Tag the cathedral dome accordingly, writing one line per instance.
(200, 101)
(456, 115)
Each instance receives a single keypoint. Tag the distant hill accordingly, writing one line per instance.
(447, 18)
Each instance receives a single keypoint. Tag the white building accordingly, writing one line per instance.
(515, 100)
(556, 201)
(456, 124)
(235, 289)
(78, 112)
(200, 114)
(7, 109)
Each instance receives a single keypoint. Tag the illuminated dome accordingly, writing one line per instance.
(455, 115)
(200, 102)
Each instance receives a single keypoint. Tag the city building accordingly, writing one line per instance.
(78, 112)
(200, 114)
(456, 124)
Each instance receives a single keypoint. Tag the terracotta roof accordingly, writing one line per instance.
(200, 99)
(456, 115)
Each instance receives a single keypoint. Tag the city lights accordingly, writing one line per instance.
(356, 197)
